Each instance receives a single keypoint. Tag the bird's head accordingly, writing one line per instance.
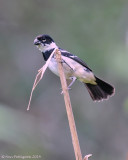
(45, 43)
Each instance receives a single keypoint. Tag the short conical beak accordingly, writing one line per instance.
(37, 42)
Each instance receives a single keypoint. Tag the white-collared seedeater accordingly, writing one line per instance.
(74, 69)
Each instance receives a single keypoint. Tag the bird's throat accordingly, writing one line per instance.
(47, 54)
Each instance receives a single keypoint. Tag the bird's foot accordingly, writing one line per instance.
(68, 90)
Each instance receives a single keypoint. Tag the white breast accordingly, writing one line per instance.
(53, 66)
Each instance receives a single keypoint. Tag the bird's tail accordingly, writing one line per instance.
(100, 91)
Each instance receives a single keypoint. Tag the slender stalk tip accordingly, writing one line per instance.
(87, 156)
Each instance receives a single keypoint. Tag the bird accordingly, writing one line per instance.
(74, 69)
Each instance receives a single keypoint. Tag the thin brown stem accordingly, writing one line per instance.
(72, 125)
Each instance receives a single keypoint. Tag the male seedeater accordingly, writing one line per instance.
(74, 69)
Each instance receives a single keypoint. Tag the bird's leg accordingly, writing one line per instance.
(73, 80)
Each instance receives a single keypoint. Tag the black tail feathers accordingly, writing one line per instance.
(100, 91)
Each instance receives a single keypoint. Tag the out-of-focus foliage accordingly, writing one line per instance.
(96, 31)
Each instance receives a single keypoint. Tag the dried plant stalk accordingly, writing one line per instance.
(39, 76)
(72, 126)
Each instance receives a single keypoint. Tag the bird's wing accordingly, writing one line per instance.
(75, 58)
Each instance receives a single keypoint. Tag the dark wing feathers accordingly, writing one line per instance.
(75, 58)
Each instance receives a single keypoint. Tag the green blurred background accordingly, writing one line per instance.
(96, 31)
